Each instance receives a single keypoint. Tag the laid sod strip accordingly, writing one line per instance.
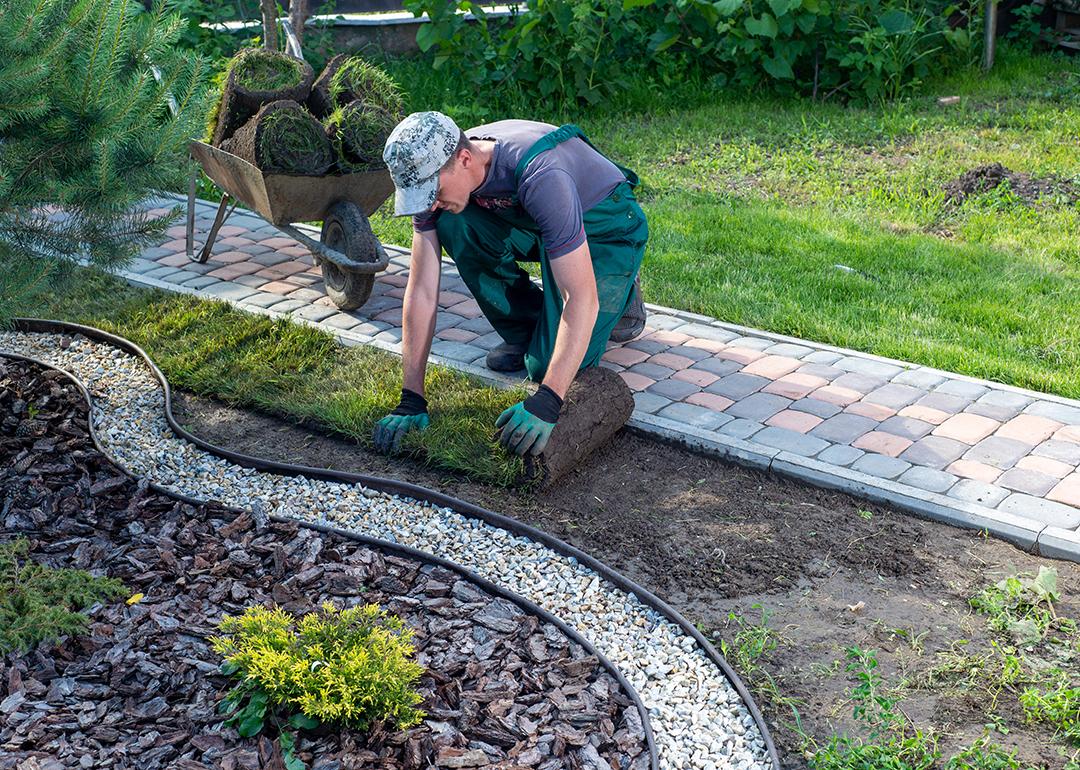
(357, 79)
(256, 76)
(358, 133)
(283, 138)
(283, 368)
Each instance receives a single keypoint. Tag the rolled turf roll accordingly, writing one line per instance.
(358, 133)
(257, 77)
(283, 138)
(347, 79)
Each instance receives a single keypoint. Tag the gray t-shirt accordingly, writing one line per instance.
(556, 187)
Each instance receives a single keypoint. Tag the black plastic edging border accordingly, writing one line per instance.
(427, 495)
(384, 545)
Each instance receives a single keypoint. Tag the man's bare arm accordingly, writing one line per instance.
(576, 281)
(420, 308)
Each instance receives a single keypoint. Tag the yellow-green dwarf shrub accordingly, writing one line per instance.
(353, 667)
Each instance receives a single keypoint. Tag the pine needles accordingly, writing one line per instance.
(39, 603)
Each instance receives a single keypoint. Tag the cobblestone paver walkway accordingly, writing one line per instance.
(949, 447)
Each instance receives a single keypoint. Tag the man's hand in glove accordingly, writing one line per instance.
(526, 427)
(410, 414)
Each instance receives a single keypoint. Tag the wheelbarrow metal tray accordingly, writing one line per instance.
(284, 198)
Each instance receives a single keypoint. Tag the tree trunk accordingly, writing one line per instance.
(298, 12)
(269, 19)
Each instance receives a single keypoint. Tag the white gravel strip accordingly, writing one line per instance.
(698, 718)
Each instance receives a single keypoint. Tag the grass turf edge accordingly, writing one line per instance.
(281, 367)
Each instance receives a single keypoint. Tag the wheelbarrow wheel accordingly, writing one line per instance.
(346, 229)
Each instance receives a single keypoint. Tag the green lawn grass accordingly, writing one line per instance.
(753, 200)
(291, 370)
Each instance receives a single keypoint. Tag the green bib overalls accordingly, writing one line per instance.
(486, 246)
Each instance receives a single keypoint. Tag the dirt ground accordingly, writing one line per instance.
(712, 539)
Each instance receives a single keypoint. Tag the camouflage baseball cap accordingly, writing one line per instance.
(416, 150)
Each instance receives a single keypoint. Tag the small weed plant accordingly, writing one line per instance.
(748, 649)
(1023, 606)
(984, 754)
(893, 744)
(40, 603)
(350, 667)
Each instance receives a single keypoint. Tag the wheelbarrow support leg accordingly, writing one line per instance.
(219, 219)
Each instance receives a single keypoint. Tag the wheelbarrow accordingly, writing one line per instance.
(347, 251)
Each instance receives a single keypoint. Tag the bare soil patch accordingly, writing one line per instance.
(992, 175)
(712, 538)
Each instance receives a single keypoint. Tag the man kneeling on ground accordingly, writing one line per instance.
(496, 195)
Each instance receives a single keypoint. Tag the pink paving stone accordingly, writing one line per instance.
(713, 346)
(457, 335)
(967, 428)
(636, 381)
(394, 280)
(795, 385)
(178, 244)
(873, 411)
(709, 401)
(740, 355)
(882, 443)
(173, 260)
(398, 292)
(697, 377)
(834, 394)
(1055, 468)
(1029, 428)
(228, 272)
(969, 469)
(1067, 491)
(668, 338)
(277, 287)
(450, 298)
(467, 309)
(393, 315)
(625, 356)
(295, 251)
(772, 367)
(325, 302)
(177, 231)
(236, 240)
(228, 230)
(792, 420)
(277, 242)
(671, 361)
(282, 270)
(924, 413)
(1069, 433)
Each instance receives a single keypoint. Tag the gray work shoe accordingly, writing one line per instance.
(506, 357)
(632, 322)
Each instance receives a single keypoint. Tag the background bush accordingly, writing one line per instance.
(585, 50)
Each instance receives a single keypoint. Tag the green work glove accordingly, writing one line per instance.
(526, 427)
(410, 414)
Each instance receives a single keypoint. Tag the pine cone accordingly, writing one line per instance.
(29, 428)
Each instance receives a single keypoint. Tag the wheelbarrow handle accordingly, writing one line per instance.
(322, 251)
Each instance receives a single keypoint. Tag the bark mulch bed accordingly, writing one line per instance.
(140, 688)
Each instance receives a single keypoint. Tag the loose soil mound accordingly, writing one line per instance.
(257, 77)
(283, 138)
(990, 177)
(140, 689)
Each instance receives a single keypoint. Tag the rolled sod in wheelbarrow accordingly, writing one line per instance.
(283, 138)
(358, 132)
(597, 404)
(257, 77)
(348, 79)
